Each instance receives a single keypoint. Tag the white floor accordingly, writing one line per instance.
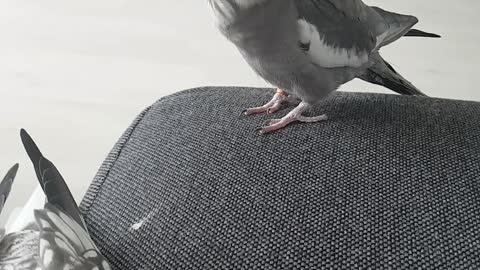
(76, 73)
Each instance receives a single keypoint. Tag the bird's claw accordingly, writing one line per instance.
(270, 122)
(293, 116)
(270, 107)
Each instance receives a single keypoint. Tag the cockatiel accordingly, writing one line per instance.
(308, 48)
(56, 237)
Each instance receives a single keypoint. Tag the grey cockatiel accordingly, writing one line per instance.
(56, 237)
(308, 48)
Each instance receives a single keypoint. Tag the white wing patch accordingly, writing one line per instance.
(325, 55)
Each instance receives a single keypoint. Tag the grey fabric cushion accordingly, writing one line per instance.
(388, 182)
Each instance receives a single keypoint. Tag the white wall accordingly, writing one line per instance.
(76, 73)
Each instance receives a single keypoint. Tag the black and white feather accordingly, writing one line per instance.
(57, 237)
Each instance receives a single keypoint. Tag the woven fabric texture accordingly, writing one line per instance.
(387, 182)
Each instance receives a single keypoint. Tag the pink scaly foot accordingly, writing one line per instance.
(272, 106)
(294, 115)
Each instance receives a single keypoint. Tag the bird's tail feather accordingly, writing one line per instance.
(420, 33)
(382, 73)
(52, 183)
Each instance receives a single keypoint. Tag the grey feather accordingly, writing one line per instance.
(420, 33)
(268, 37)
(59, 238)
(382, 73)
(51, 180)
(397, 24)
(6, 185)
(343, 24)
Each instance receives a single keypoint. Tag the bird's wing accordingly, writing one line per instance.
(51, 181)
(343, 33)
(396, 25)
(336, 33)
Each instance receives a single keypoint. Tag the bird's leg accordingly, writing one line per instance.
(273, 105)
(292, 116)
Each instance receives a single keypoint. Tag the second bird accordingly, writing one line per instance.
(308, 48)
